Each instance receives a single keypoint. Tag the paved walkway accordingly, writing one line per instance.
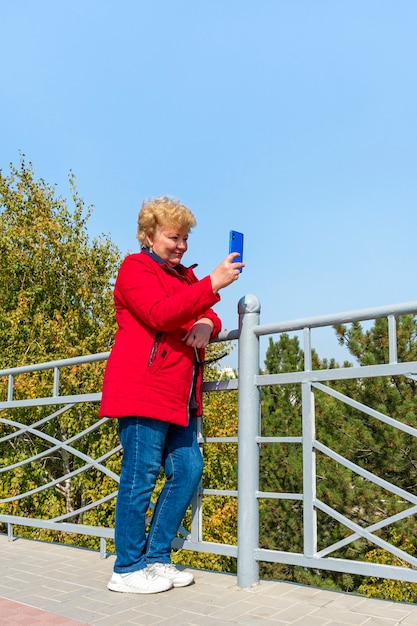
(55, 585)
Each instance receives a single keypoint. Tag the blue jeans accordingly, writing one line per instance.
(148, 445)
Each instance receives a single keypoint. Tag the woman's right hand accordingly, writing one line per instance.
(225, 273)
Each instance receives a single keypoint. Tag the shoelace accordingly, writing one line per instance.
(170, 568)
(167, 567)
(150, 574)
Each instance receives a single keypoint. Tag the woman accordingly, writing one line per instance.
(153, 383)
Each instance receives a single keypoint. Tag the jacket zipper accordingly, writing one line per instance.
(190, 393)
(155, 347)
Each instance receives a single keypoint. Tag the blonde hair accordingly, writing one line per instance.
(159, 212)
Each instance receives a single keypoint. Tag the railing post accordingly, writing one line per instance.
(196, 534)
(309, 455)
(248, 450)
(103, 548)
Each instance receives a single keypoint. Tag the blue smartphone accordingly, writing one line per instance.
(236, 244)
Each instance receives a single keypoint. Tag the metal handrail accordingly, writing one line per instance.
(249, 384)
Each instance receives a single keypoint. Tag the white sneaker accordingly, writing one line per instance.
(179, 578)
(141, 581)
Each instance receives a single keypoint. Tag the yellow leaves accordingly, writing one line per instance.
(55, 284)
(389, 589)
(220, 414)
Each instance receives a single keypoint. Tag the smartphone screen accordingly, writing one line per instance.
(236, 244)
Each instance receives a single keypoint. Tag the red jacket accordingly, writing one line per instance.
(150, 369)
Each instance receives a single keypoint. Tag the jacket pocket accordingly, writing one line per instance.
(158, 352)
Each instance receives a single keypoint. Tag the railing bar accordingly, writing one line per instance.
(76, 399)
(103, 548)
(390, 421)
(365, 534)
(31, 459)
(229, 384)
(47, 453)
(21, 429)
(85, 508)
(203, 440)
(336, 318)
(362, 568)
(381, 524)
(279, 439)
(357, 469)
(272, 495)
(50, 451)
(226, 335)
(223, 549)
(219, 492)
(56, 382)
(308, 363)
(87, 430)
(61, 479)
(80, 529)
(339, 373)
(309, 380)
(392, 339)
(10, 385)
(309, 470)
(72, 450)
(37, 367)
(184, 532)
(196, 502)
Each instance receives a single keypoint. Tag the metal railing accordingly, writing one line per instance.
(249, 384)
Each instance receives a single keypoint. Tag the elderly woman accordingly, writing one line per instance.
(153, 383)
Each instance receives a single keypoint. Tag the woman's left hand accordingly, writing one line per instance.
(199, 334)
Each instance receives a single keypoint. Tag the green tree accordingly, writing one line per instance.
(281, 464)
(371, 444)
(55, 295)
(219, 512)
(380, 448)
(55, 302)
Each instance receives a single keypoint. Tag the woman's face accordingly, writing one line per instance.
(169, 243)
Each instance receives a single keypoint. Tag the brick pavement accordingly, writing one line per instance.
(51, 584)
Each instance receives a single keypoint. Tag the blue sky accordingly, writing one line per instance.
(293, 121)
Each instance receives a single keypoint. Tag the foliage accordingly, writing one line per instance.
(281, 464)
(55, 302)
(385, 588)
(364, 440)
(220, 472)
(378, 446)
(51, 274)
